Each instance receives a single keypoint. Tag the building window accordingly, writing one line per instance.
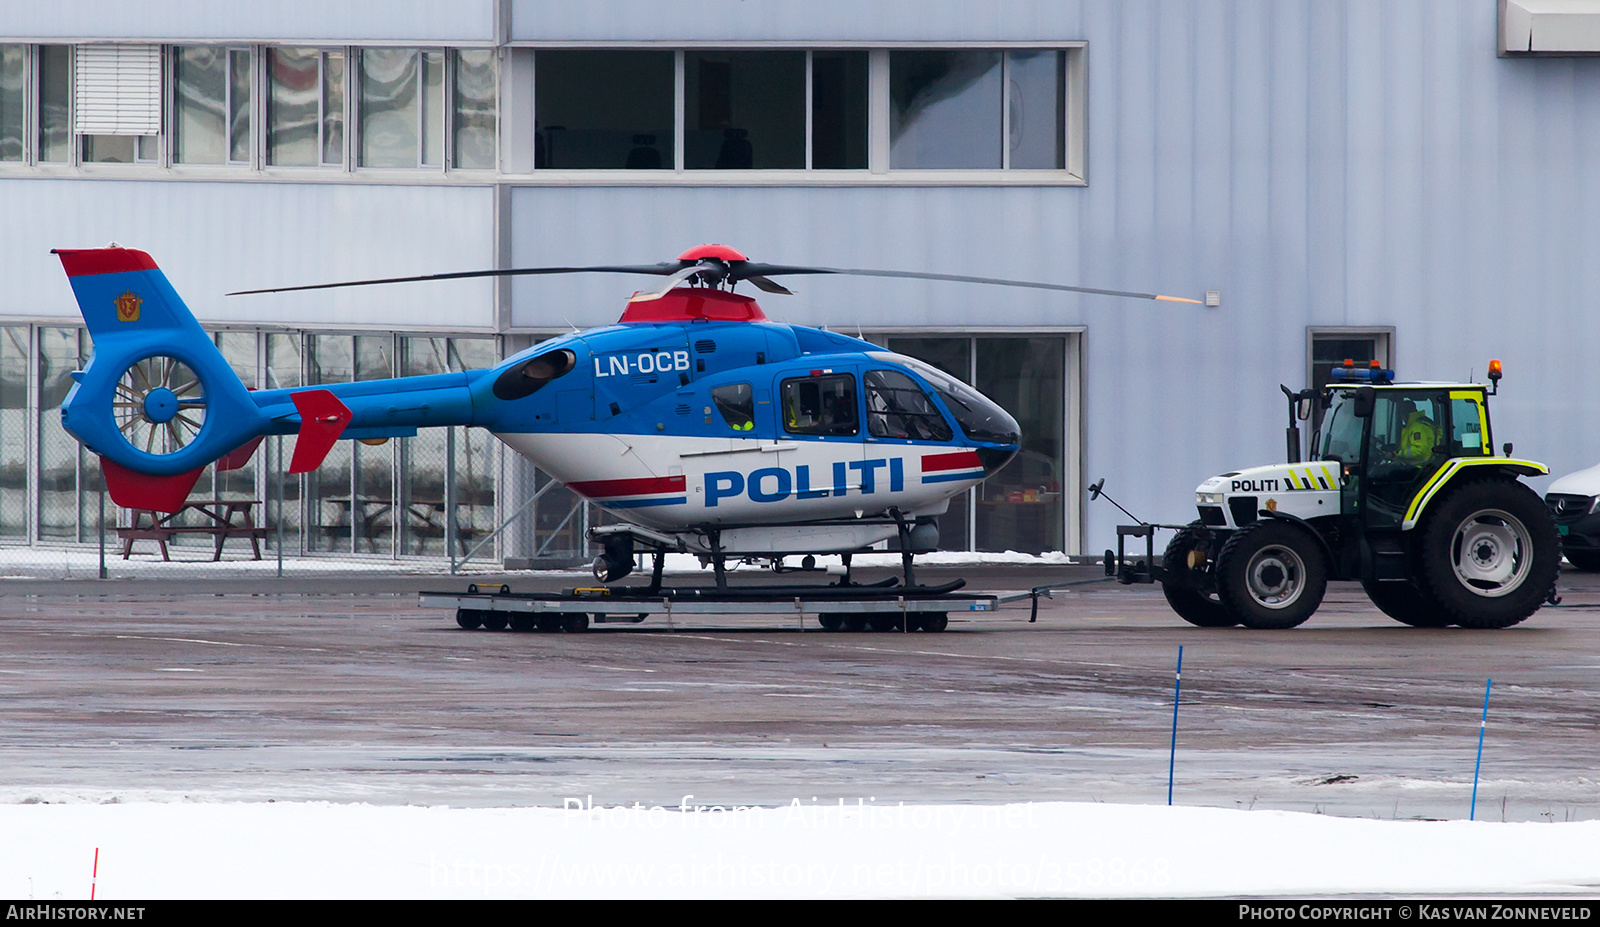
(212, 121)
(474, 123)
(839, 110)
(744, 109)
(116, 102)
(1021, 508)
(603, 109)
(13, 102)
(969, 109)
(1330, 347)
(305, 107)
(55, 103)
(14, 443)
(402, 108)
(977, 109)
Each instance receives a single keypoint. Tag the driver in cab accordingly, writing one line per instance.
(1418, 435)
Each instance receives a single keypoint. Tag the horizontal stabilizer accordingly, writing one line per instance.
(240, 455)
(322, 419)
(134, 490)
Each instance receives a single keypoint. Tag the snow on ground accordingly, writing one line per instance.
(802, 850)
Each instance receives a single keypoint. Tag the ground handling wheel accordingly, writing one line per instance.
(885, 622)
(574, 622)
(1490, 553)
(1187, 583)
(495, 621)
(830, 621)
(1271, 574)
(1406, 604)
(522, 621)
(470, 619)
(932, 622)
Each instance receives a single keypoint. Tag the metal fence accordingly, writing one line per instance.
(446, 501)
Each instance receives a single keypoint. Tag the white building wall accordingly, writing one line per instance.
(760, 21)
(215, 238)
(312, 22)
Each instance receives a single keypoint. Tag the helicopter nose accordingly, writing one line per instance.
(995, 458)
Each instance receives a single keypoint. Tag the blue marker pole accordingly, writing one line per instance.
(1478, 764)
(1172, 755)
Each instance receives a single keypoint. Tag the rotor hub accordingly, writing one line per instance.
(160, 405)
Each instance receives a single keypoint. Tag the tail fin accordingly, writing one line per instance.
(157, 400)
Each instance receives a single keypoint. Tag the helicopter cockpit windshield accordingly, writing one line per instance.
(979, 417)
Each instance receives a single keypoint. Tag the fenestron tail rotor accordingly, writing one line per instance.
(714, 265)
(160, 405)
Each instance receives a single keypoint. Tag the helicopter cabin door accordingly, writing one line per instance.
(819, 437)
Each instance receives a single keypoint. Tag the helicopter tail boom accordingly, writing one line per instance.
(159, 402)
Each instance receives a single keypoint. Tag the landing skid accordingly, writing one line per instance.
(620, 543)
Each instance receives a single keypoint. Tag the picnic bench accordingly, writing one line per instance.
(425, 518)
(222, 519)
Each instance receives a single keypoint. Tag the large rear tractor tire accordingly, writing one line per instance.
(1271, 574)
(1490, 553)
(1403, 602)
(1186, 582)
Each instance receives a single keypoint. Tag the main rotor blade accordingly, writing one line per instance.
(749, 269)
(656, 269)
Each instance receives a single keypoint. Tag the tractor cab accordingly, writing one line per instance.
(1389, 439)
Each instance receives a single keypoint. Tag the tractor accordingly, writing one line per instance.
(1401, 491)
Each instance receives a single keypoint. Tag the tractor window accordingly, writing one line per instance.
(737, 405)
(898, 408)
(1469, 435)
(820, 405)
(1340, 436)
(1407, 428)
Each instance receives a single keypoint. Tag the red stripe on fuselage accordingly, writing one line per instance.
(961, 460)
(639, 487)
(83, 262)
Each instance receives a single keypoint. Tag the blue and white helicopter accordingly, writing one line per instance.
(707, 427)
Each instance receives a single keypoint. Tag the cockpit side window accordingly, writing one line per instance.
(898, 408)
(737, 404)
(820, 405)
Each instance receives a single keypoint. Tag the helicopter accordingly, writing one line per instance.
(704, 425)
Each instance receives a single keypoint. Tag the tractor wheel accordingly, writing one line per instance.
(1403, 602)
(1490, 553)
(1271, 575)
(1186, 583)
(1586, 560)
